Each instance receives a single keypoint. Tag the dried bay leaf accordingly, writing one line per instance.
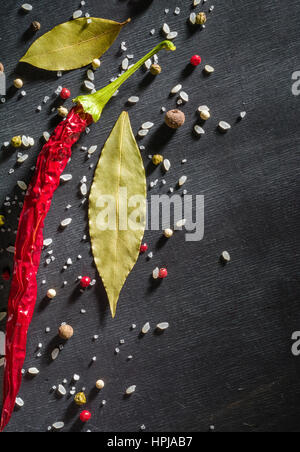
(116, 248)
(73, 44)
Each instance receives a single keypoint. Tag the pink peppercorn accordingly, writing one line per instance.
(65, 93)
(196, 60)
(85, 416)
(144, 248)
(85, 282)
(163, 273)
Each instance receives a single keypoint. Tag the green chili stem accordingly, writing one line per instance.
(94, 103)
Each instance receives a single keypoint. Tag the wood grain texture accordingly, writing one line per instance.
(226, 358)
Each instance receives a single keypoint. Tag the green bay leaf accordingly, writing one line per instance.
(119, 188)
(73, 44)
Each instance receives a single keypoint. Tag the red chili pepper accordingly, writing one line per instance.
(29, 242)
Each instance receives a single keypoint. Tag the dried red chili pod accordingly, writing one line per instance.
(29, 242)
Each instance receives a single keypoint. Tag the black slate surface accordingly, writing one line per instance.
(226, 358)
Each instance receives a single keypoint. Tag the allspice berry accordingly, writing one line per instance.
(155, 69)
(175, 119)
(65, 332)
(35, 26)
(1, 67)
(201, 18)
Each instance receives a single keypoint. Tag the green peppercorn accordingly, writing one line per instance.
(201, 18)
(157, 159)
(16, 142)
(155, 69)
(80, 399)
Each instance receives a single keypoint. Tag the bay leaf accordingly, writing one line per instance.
(119, 190)
(73, 44)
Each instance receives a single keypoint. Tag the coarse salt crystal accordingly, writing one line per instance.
(133, 99)
(58, 425)
(123, 46)
(143, 132)
(193, 18)
(66, 177)
(148, 64)
(125, 64)
(90, 75)
(162, 326)
(77, 14)
(199, 130)
(131, 390)
(92, 149)
(167, 165)
(30, 141)
(184, 96)
(47, 242)
(172, 35)
(66, 222)
(22, 158)
(180, 224)
(46, 136)
(176, 89)
(224, 126)
(19, 402)
(147, 125)
(27, 7)
(226, 256)
(146, 328)
(209, 69)
(55, 354)
(83, 189)
(25, 141)
(166, 29)
(89, 85)
(202, 108)
(22, 185)
(61, 390)
(33, 371)
(182, 181)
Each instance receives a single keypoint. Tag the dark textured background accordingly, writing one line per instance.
(226, 358)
